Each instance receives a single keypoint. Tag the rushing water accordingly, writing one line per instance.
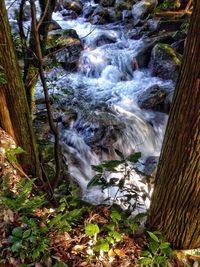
(106, 89)
(103, 96)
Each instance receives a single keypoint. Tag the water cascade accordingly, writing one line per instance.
(103, 96)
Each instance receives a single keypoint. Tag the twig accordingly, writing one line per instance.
(44, 84)
(43, 16)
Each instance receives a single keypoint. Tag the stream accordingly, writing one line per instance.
(102, 99)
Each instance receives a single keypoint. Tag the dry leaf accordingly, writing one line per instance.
(83, 264)
(79, 247)
(119, 252)
(111, 253)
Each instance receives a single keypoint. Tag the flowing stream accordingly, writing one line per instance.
(103, 101)
(104, 93)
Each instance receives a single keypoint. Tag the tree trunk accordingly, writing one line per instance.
(175, 207)
(31, 70)
(15, 117)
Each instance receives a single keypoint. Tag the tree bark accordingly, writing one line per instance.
(175, 207)
(15, 117)
(31, 69)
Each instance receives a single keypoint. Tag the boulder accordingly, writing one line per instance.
(105, 3)
(144, 55)
(74, 5)
(100, 15)
(142, 8)
(179, 46)
(121, 5)
(104, 38)
(67, 49)
(54, 26)
(88, 11)
(152, 98)
(165, 62)
(68, 14)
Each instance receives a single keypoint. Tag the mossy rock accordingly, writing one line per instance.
(165, 62)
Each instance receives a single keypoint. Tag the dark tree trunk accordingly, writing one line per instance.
(175, 207)
(15, 117)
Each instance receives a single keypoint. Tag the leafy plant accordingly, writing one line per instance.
(117, 173)
(29, 241)
(158, 251)
(24, 202)
(105, 237)
(12, 152)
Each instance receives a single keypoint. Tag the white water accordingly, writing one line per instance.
(104, 94)
(107, 82)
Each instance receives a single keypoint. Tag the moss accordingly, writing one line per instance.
(169, 4)
(170, 52)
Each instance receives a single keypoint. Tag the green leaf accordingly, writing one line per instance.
(153, 236)
(146, 253)
(26, 233)
(115, 216)
(16, 246)
(110, 240)
(134, 157)
(98, 168)
(159, 260)
(116, 235)
(111, 164)
(94, 181)
(164, 245)
(108, 227)
(153, 246)
(145, 261)
(91, 229)
(17, 232)
(102, 245)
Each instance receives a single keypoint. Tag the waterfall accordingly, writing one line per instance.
(103, 93)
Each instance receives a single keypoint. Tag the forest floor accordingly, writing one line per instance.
(37, 232)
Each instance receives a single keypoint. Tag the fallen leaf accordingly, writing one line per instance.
(119, 252)
(79, 247)
(111, 253)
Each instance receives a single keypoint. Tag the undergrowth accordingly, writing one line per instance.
(72, 232)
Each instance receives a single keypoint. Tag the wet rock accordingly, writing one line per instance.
(54, 26)
(88, 11)
(153, 98)
(168, 101)
(142, 8)
(67, 49)
(74, 5)
(104, 38)
(126, 14)
(150, 166)
(69, 117)
(165, 62)
(105, 3)
(100, 128)
(179, 46)
(100, 15)
(144, 55)
(114, 15)
(69, 14)
(121, 5)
